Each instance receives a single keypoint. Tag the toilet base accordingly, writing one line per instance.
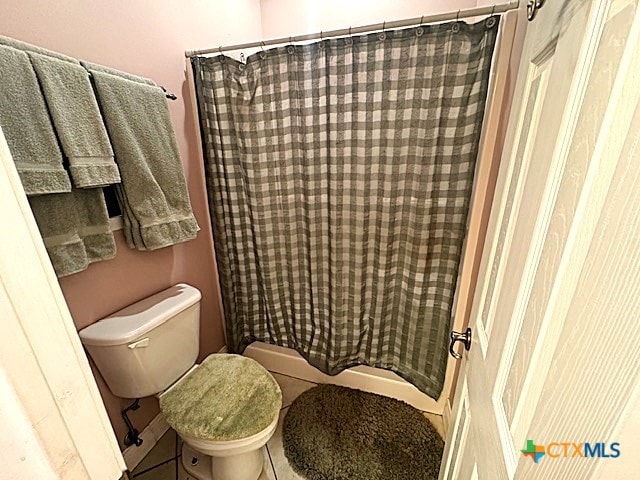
(245, 466)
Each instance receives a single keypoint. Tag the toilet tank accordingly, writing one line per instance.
(144, 348)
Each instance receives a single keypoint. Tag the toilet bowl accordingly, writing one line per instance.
(238, 460)
(225, 409)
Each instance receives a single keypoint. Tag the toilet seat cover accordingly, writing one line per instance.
(226, 397)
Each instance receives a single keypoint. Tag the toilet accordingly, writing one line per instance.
(225, 409)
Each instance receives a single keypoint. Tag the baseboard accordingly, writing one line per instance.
(223, 350)
(150, 436)
(383, 382)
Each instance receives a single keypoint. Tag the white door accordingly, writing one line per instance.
(53, 423)
(554, 362)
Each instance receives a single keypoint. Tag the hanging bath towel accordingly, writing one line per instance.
(75, 228)
(26, 124)
(74, 113)
(77, 120)
(153, 195)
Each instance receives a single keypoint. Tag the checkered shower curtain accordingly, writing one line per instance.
(339, 176)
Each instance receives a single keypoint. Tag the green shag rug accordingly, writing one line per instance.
(338, 433)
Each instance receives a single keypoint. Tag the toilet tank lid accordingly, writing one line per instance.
(139, 318)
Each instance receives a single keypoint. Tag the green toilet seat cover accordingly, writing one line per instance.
(227, 397)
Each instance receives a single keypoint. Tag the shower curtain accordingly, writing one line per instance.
(339, 176)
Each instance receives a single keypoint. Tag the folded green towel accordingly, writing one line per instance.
(27, 47)
(153, 193)
(77, 120)
(112, 71)
(75, 229)
(27, 126)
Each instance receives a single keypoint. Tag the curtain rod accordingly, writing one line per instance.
(440, 17)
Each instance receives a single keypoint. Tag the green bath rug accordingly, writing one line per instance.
(337, 433)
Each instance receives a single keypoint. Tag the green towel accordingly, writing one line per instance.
(77, 121)
(112, 71)
(27, 126)
(27, 47)
(153, 194)
(75, 229)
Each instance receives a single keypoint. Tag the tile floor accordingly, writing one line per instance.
(164, 462)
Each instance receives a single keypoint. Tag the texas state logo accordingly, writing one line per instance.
(533, 451)
(555, 450)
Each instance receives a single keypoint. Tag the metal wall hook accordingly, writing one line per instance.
(464, 337)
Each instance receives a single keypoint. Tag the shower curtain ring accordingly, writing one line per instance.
(384, 24)
(220, 49)
(349, 39)
(493, 10)
(262, 45)
(458, 16)
(421, 19)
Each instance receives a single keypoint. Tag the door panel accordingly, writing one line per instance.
(573, 141)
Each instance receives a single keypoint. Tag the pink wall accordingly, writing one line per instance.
(147, 38)
(281, 18)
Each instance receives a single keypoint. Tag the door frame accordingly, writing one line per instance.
(49, 401)
(499, 100)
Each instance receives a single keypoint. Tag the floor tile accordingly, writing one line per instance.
(162, 451)
(267, 468)
(291, 387)
(166, 471)
(436, 421)
(276, 451)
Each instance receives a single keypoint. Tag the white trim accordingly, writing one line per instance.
(481, 193)
(383, 382)
(451, 447)
(150, 436)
